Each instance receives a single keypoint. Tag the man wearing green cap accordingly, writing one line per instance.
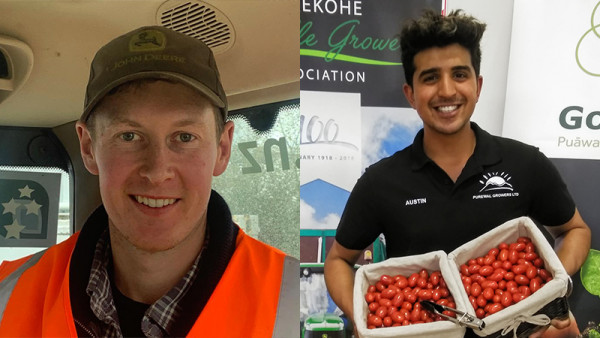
(161, 256)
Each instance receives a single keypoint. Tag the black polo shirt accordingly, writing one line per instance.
(418, 208)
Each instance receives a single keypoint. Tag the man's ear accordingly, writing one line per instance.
(86, 147)
(409, 94)
(224, 149)
(479, 85)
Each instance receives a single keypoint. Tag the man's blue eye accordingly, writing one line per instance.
(128, 136)
(185, 137)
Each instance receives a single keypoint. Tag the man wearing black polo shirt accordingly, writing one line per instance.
(456, 181)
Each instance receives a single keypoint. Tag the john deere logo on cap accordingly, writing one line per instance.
(147, 41)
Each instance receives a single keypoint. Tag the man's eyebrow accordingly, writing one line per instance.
(434, 70)
(428, 71)
(124, 121)
(464, 67)
(187, 122)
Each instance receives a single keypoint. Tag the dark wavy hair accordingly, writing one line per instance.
(434, 30)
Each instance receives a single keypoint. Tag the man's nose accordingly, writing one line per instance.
(447, 87)
(157, 165)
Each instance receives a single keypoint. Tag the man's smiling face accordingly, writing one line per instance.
(445, 88)
(155, 150)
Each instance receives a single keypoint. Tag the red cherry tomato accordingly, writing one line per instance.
(486, 270)
(525, 290)
(503, 255)
(373, 307)
(481, 301)
(473, 301)
(444, 291)
(522, 280)
(385, 302)
(415, 315)
(443, 301)
(535, 284)
(412, 280)
(517, 297)
(531, 272)
(488, 293)
(531, 256)
(519, 269)
(495, 308)
(473, 269)
(476, 289)
(529, 248)
(506, 299)
(398, 299)
(388, 293)
(401, 282)
(493, 252)
(425, 295)
(489, 284)
(376, 321)
(397, 317)
(436, 295)
(488, 260)
(524, 239)
(520, 246)
(386, 280)
(509, 276)
(496, 276)
(381, 311)
(435, 278)
(513, 256)
(544, 274)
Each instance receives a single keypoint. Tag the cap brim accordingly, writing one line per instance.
(214, 98)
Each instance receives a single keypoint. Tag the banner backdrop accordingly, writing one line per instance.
(353, 112)
(552, 102)
(554, 78)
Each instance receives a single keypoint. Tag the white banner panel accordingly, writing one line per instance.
(330, 129)
(554, 77)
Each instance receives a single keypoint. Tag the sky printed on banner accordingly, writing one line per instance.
(385, 131)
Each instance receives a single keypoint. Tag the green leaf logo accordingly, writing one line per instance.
(590, 273)
(593, 29)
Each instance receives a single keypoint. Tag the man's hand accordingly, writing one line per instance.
(559, 328)
(339, 277)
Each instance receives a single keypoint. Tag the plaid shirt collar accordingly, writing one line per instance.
(160, 317)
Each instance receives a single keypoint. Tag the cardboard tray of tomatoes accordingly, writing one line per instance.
(546, 302)
(369, 274)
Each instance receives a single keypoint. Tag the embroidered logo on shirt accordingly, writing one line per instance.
(495, 181)
(416, 201)
(494, 185)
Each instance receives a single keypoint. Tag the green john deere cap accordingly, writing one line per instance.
(154, 52)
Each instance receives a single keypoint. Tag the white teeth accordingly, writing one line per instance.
(154, 203)
(447, 109)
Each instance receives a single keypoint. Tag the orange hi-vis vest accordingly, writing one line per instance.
(257, 295)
